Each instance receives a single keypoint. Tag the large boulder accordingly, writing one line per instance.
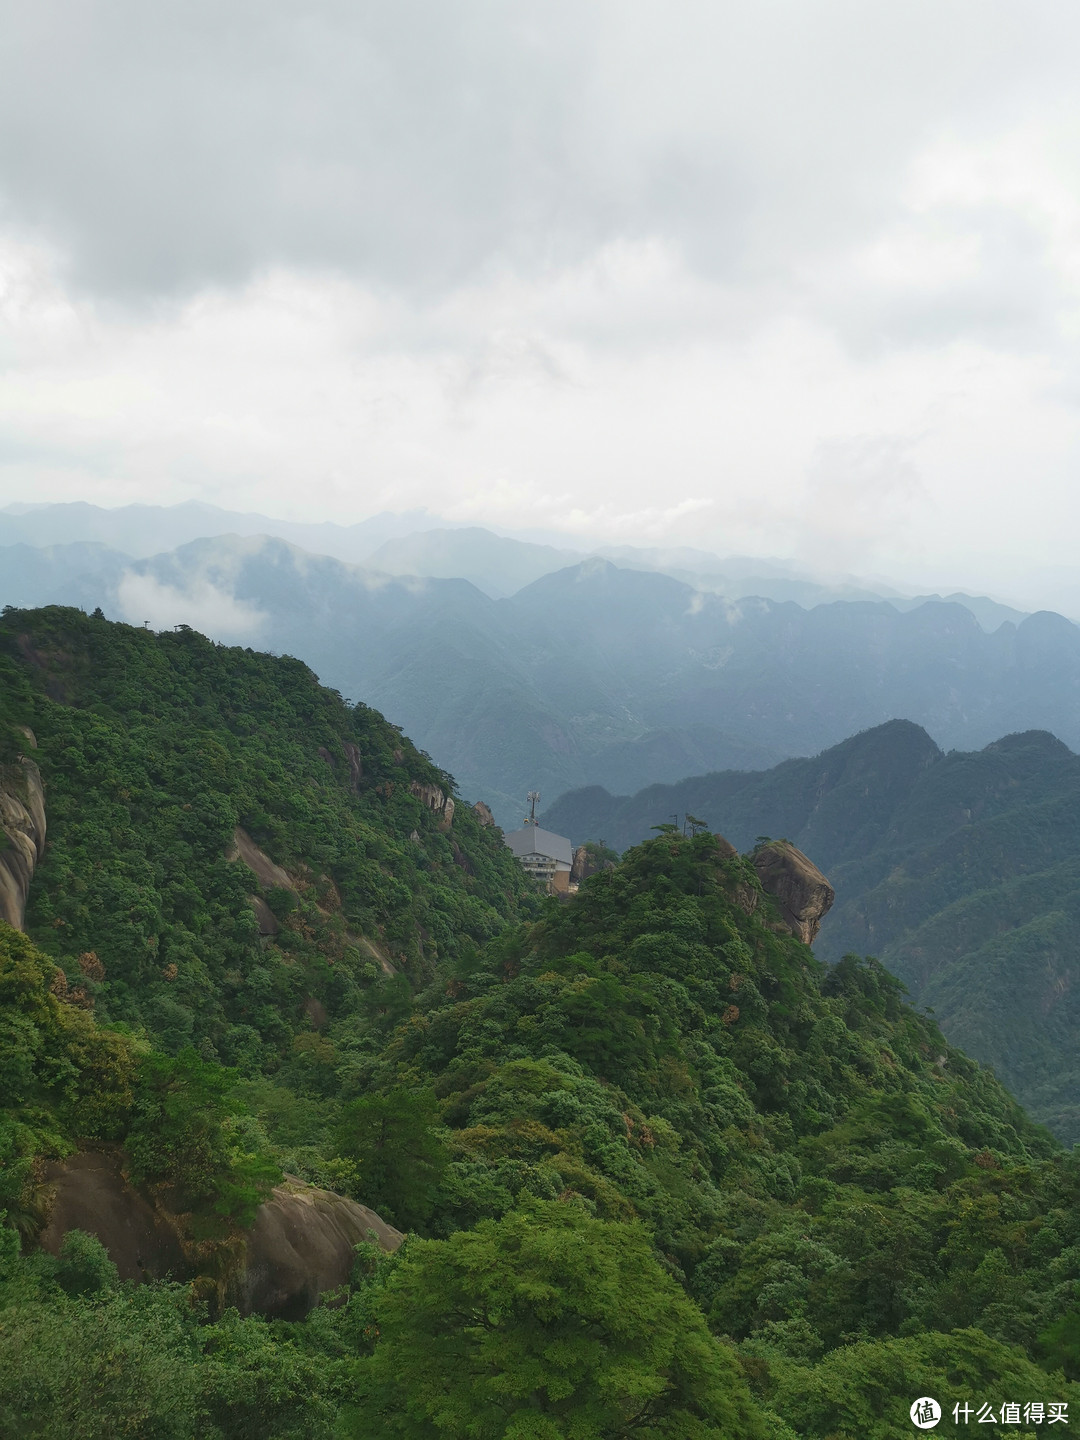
(800, 890)
(87, 1191)
(586, 864)
(300, 1246)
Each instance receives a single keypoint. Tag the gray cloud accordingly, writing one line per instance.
(632, 271)
(168, 146)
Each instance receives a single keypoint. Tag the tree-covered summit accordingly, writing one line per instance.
(960, 871)
(154, 749)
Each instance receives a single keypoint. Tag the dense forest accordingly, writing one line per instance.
(662, 1172)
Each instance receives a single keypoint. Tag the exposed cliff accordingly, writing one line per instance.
(433, 799)
(22, 832)
(796, 884)
(589, 860)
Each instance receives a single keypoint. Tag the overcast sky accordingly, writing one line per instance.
(781, 278)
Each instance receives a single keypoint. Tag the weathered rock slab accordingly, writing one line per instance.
(801, 891)
(301, 1245)
(88, 1192)
(22, 834)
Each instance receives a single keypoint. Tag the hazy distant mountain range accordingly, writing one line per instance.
(593, 673)
(421, 544)
(142, 530)
(961, 872)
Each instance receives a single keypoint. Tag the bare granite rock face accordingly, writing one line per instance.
(267, 920)
(585, 865)
(433, 798)
(356, 768)
(87, 1191)
(300, 1246)
(483, 813)
(22, 833)
(352, 760)
(577, 869)
(269, 874)
(797, 885)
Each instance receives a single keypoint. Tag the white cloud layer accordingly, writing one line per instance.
(206, 607)
(798, 279)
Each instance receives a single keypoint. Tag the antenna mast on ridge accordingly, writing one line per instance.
(533, 796)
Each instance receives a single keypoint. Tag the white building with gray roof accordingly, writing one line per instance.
(546, 856)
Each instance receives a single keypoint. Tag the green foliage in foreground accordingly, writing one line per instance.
(63, 1081)
(399, 1159)
(88, 1359)
(546, 1324)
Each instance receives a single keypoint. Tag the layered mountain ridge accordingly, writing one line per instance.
(597, 674)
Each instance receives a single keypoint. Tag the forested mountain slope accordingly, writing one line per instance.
(961, 872)
(675, 1178)
(167, 763)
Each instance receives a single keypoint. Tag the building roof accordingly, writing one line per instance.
(531, 840)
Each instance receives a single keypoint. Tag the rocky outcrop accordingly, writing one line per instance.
(300, 1246)
(483, 814)
(434, 799)
(585, 865)
(356, 768)
(22, 833)
(88, 1192)
(267, 920)
(352, 760)
(269, 875)
(799, 888)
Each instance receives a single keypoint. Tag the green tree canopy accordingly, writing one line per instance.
(399, 1159)
(546, 1324)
